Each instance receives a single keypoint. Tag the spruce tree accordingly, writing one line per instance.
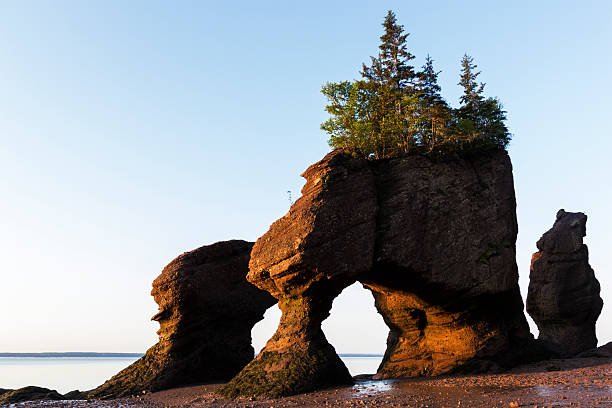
(492, 123)
(391, 79)
(394, 110)
(435, 108)
(480, 121)
(472, 91)
(468, 115)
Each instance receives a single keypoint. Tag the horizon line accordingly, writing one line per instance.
(113, 354)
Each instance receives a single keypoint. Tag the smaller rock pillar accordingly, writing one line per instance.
(563, 297)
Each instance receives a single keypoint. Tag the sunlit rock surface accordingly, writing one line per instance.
(445, 277)
(305, 260)
(434, 241)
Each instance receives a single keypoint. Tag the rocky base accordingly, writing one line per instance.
(583, 382)
(297, 359)
(32, 393)
(428, 339)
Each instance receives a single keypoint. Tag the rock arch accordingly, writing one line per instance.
(355, 327)
(434, 241)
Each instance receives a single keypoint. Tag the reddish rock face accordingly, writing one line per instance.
(207, 309)
(435, 242)
(563, 296)
(445, 278)
(327, 236)
(305, 260)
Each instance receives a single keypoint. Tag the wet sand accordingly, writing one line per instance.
(579, 382)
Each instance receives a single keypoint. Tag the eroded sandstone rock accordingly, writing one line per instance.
(434, 241)
(445, 278)
(563, 297)
(207, 309)
(305, 260)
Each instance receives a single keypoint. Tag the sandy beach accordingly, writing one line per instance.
(579, 382)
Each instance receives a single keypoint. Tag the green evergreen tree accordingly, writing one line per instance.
(391, 78)
(395, 110)
(491, 124)
(472, 91)
(435, 109)
(480, 121)
(468, 115)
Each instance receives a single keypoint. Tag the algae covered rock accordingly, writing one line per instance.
(29, 393)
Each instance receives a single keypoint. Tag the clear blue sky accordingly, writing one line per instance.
(131, 132)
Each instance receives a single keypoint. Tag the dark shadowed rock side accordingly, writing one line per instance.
(563, 297)
(433, 241)
(29, 393)
(445, 277)
(206, 312)
(32, 393)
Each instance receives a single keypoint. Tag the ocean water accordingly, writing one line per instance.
(84, 373)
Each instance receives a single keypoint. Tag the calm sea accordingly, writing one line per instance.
(84, 373)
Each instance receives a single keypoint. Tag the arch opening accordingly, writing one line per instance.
(265, 328)
(356, 330)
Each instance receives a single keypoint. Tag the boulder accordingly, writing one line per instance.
(29, 393)
(207, 309)
(435, 243)
(563, 297)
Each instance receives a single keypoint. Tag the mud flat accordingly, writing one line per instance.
(577, 382)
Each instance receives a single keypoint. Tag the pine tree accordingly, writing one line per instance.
(472, 91)
(394, 110)
(391, 78)
(394, 55)
(468, 115)
(480, 121)
(492, 123)
(436, 110)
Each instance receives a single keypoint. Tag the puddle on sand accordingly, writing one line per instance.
(371, 387)
(545, 391)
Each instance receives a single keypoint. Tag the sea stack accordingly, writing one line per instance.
(207, 309)
(563, 297)
(434, 240)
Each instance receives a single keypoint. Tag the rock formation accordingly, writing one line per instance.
(206, 312)
(305, 260)
(434, 241)
(29, 393)
(563, 297)
(445, 278)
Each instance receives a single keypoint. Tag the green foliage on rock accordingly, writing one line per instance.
(394, 110)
